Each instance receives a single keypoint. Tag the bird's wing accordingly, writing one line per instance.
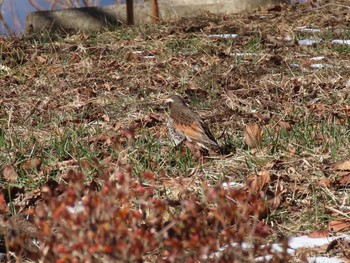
(208, 133)
(196, 131)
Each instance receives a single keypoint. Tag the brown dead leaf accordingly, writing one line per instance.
(75, 58)
(194, 149)
(152, 120)
(134, 56)
(285, 125)
(253, 135)
(338, 225)
(320, 108)
(291, 150)
(41, 59)
(179, 186)
(324, 182)
(275, 202)
(346, 110)
(73, 176)
(87, 164)
(259, 181)
(158, 79)
(319, 233)
(32, 164)
(99, 138)
(130, 135)
(194, 90)
(9, 174)
(344, 180)
(55, 70)
(105, 117)
(341, 166)
(106, 161)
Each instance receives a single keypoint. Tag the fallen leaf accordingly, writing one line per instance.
(57, 70)
(193, 148)
(158, 78)
(179, 186)
(324, 182)
(285, 125)
(105, 117)
(130, 135)
(41, 59)
(253, 135)
(99, 138)
(9, 174)
(75, 58)
(344, 180)
(275, 202)
(259, 181)
(342, 169)
(341, 166)
(73, 176)
(291, 150)
(319, 233)
(87, 164)
(338, 225)
(134, 56)
(31, 164)
(194, 90)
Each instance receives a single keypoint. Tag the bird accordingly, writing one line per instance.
(185, 124)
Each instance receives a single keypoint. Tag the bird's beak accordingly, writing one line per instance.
(169, 100)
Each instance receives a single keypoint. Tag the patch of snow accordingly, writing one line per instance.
(340, 41)
(324, 260)
(318, 65)
(305, 241)
(294, 243)
(308, 42)
(266, 258)
(318, 58)
(308, 29)
(224, 35)
(238, 54)
(278, 248)
(294, 65)
(232, 185)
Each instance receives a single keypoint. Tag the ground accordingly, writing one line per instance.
(83, 126)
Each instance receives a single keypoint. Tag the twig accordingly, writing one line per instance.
(337, 211)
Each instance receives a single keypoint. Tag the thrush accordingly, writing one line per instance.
(185, 124)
